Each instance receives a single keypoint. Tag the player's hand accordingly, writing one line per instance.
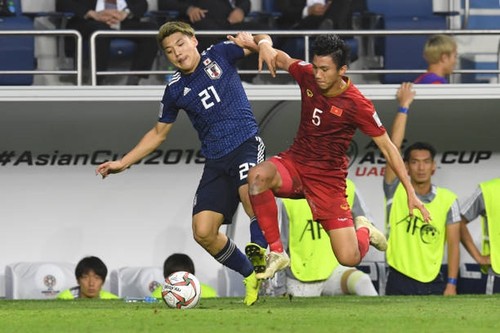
(405, 94)
(244, 40)
(415, 203)
(107, 168)
(484, 260)
(450, 290)
(267, 54)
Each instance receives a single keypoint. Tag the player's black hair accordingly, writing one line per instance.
(419, 146)
(91, 263)
(334, 46)
(178, 262)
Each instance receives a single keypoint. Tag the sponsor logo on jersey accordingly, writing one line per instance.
(344, 206)
(186, 91)
(336, 111)
(309, 93)
(213, 71)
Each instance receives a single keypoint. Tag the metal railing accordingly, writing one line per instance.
(307, 40)
(307, 35)
(78, 52)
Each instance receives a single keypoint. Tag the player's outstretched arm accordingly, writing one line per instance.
(405, 96)
(149, 142)
(393, 158)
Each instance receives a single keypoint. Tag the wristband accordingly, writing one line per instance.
(452, 281)
(264, 41)
(402, 109)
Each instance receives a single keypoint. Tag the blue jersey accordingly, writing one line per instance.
(214, 99)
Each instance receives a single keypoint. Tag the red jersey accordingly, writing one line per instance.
(327, 124)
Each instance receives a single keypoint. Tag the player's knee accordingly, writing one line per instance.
(258, 180)
(349, 259)
(204, 236)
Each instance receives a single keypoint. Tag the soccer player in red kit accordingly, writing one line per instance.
(315, 166)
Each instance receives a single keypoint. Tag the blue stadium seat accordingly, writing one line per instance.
(482, 15)
(404, 52)
(16, 52)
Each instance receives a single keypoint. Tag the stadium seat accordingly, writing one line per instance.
(38, 280)
(404, 52)
(16, 52)
(135, 281)
(482, 15)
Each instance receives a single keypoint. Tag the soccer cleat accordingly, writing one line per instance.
(276, 261)
(377, 238)
(252, 286)
(257, 256)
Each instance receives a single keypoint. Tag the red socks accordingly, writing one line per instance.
(266, 211)
(363, 235)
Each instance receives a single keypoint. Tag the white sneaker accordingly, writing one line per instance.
(276, 261)
(377, 238)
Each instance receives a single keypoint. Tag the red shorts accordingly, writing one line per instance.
(324, 190)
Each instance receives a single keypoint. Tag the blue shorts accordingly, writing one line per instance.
(221, 179)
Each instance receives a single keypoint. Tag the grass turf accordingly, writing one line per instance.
(464, 313)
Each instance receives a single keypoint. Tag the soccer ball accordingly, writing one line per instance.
(181, 290)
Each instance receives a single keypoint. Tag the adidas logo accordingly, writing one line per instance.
(186, 91)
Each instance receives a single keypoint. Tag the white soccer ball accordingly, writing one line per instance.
(181, 290)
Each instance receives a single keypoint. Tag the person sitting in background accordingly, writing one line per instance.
(182, 262)
(315, 14)
(314, 269)
(95, 15)
(440, 52)
(90, 275)
(311, 15)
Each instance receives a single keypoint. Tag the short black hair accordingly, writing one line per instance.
(332, 45)
(419, 146)
(178, 262)
(91, 263)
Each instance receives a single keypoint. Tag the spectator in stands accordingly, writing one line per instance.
(93, 15)
(90, 275)
(206, 15)
(314, 269)
(483, 202)
(311, 15)
(315, 14)
(415, 248)
(440, 52)
(182, 262)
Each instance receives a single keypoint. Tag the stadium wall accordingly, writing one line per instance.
(54, 208)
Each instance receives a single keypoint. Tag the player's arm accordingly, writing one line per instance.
(149, 142)
(405, 97)
(453, 243)
(470, 246)
(394, 160)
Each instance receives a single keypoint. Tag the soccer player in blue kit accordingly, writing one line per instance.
(208, 88)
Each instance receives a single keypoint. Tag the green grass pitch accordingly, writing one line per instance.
(463, 313)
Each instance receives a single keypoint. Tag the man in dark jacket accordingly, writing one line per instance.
(93, 15)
